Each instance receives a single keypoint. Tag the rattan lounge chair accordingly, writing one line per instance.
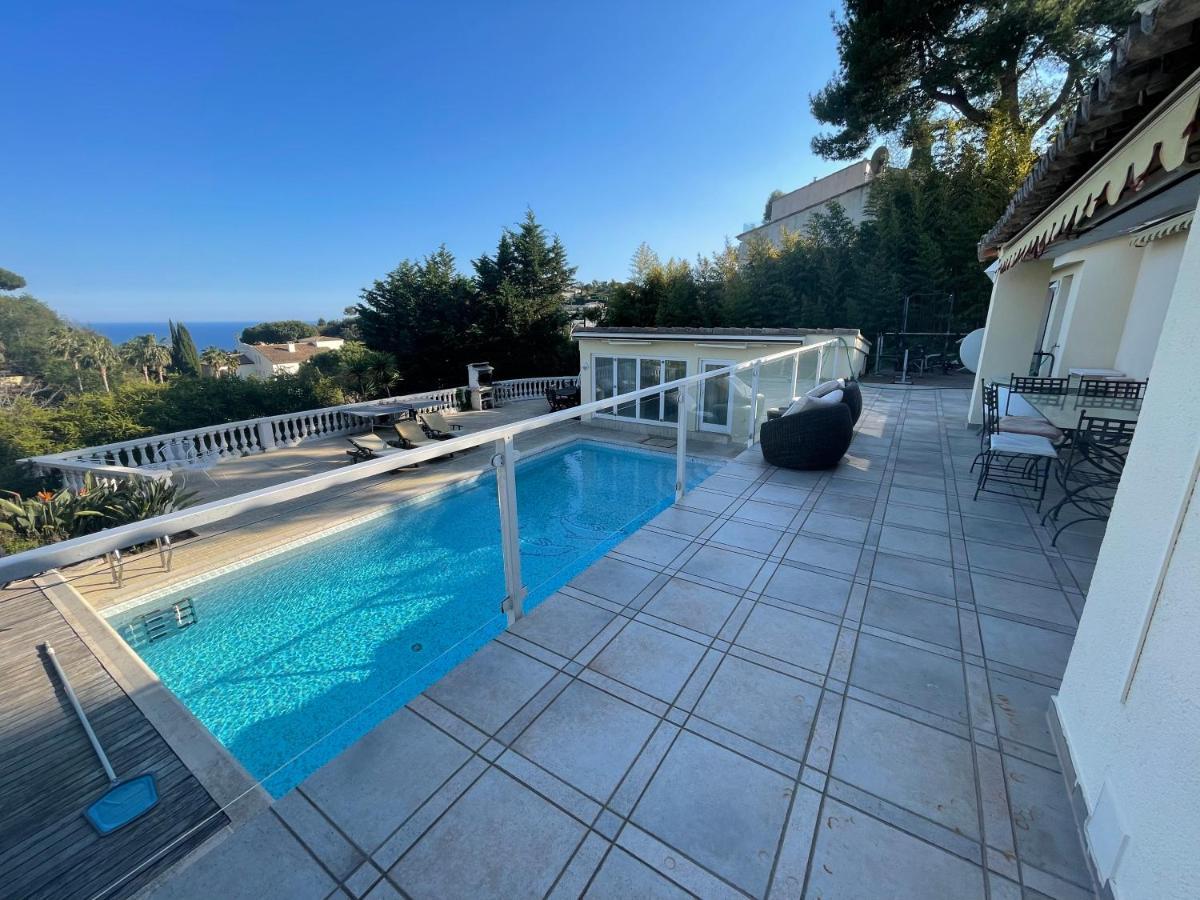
(814, 438)
(852, 397)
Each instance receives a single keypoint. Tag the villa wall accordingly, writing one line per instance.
(1097, 305)
(1148, 308)
(1128, 710)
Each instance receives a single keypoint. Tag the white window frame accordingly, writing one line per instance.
(637, 404)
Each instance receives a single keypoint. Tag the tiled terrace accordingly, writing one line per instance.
(828, 685)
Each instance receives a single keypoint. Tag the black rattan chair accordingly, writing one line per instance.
(852, 397)
(815, 438)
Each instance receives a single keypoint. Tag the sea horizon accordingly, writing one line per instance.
(221, 334)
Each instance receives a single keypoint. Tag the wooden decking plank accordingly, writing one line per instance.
(49, 773)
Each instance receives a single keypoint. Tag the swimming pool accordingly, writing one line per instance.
(353, 625)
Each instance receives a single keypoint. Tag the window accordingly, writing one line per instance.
(614, 375)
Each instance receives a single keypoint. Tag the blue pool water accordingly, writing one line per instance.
(355, 624)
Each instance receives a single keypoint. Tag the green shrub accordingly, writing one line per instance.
(50, 516)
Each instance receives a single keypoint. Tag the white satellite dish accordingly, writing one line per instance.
(969, 349)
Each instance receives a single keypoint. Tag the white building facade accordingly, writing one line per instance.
(618, 360)
(849, 187)
(269, 360)
(1103, 272)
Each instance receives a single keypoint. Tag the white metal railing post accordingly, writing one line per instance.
(681, 430)
(795, 373)
(753, 405)
(510, 533)
(820, 364)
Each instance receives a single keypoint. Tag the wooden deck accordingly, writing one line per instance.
(49, 774)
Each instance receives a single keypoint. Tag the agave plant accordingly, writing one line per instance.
(144, 499)
(51, 516)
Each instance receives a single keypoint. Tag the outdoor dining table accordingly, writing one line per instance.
(1063, 410)
(407, 409)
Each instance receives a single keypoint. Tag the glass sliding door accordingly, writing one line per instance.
(715, 397)
(627, 372)
(650, 373)
(604, 377)
(613, 375)
(674, 370)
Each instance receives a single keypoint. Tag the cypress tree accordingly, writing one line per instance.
(185, 358)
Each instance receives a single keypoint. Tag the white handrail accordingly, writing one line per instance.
(73, 473)
(64, 553)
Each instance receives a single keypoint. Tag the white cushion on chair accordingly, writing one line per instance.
(833, 397)
(796, 405)
(826, 387)
(1022, 444)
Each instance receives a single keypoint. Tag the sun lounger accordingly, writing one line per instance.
(370, 446)
(411, 435)
(436, 425)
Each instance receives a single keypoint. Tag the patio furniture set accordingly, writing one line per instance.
(563, 397)
(425, 428)
(1076, 432)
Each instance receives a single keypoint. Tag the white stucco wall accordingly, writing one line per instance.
(1151, 294)
(1015, 314)
(1146, 748)
(1098, 304)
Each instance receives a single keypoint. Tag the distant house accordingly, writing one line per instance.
(849, 187)
(268, 360)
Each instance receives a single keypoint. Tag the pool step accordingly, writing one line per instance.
(159, 623)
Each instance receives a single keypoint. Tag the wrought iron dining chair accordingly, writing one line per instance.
(1024, 384)
(1018, 464)
(1091, 470)
(1036, 424)
(1112, 388)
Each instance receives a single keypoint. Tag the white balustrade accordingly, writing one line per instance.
(203, 447)
(531, 388)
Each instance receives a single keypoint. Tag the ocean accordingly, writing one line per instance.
(205, 334)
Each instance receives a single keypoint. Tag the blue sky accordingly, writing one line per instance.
(215, 161)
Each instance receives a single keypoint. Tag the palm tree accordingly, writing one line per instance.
(161, 359)
(213, 358)
(145, 352)
(382, 375)
(220, 361)
(69, 342)
(233, 359)
(99, 353)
